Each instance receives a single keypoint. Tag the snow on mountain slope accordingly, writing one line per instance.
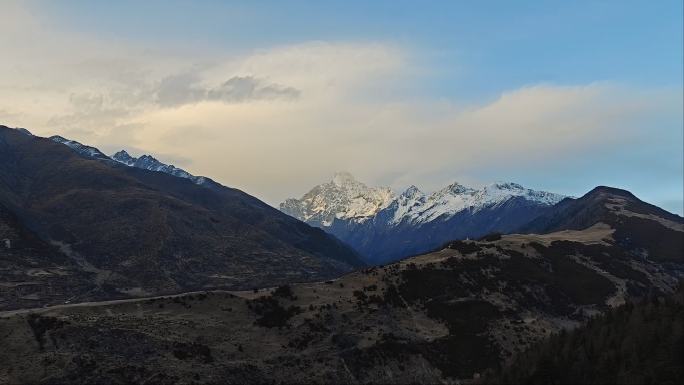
(148, 162)
(383, 226)
(342, 198)
(346, 198)
(145, 162)
(82, 149)
(455, 198)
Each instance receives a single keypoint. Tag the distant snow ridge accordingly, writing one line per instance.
(456, 198)
(347, 199)
(145, 162)
(383, 226)
(148, 162)
(343, 198)
(82, 149)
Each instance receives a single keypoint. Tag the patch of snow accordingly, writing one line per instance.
(342, 198)
(82, 149)
(148, 162)
(345, 198)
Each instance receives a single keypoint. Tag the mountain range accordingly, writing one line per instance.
(116, 230)
(383, 226)
(145, 162)
(449, 316)
(379, 224)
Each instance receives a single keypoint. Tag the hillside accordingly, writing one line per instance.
(640, 227)
(34, 272)
(447, 316)
(640, 343)
(141, 232)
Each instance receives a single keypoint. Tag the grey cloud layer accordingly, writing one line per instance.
(186, 88)
(210, 108)
(106, 113)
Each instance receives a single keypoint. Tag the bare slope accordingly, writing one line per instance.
(143, 232)
(438, 317)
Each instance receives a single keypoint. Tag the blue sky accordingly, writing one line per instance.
(603, 77)
(481, 46)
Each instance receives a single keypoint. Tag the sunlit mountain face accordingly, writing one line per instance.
(384, 226)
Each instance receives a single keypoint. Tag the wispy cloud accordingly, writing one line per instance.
(185, 88)
(276, 120)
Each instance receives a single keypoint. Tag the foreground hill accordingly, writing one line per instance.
(384, 227)
(33, 272)
(637, 343)
(641, 228)
(140, 232)
(447, 316)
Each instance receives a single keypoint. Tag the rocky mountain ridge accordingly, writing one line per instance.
(144, 162)
(148, 162)
(384, 226)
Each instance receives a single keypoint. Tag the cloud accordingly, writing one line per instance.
(276, 120)
(185, 88)
(6, 115)
(247, 88)
(282, 149)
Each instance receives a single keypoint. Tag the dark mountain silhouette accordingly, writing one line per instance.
(141, 231)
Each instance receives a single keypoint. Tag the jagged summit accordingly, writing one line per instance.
(412, 192)
(507, 186)
(384, 225)
(456, 198)
(148, 162)
(124, 157)
(342, 198)
(145, 162)
(457, 188)
(345, 198)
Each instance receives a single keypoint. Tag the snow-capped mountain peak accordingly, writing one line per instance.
(507, 186)
(345, 198)
(124, 157)
(455, 189)
(342, 198)
(412, 192)
(455, 198)
(145, 162)
(500, 191)
(385, 226)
